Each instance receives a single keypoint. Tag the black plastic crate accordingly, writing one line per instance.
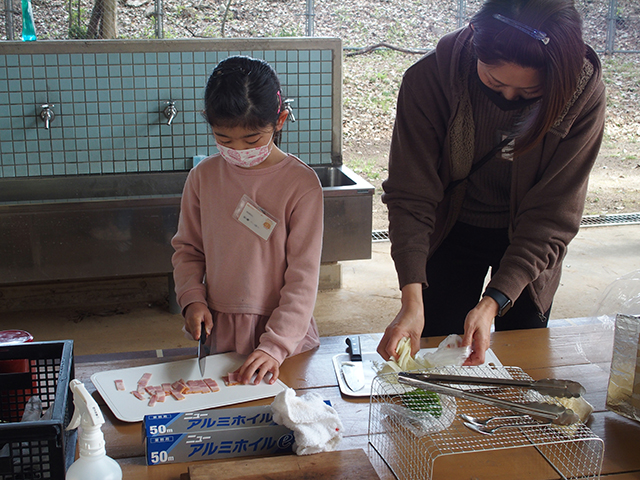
(40, 449)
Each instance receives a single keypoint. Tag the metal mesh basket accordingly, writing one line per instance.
(417, 442)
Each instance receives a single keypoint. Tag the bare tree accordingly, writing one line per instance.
(104, 20)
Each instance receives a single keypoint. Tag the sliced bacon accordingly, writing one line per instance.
(138, 395)
(231, 379)
(119, 385)
(197, 386)
(178, 389)
(212, 384)
(144, 380)
(180, 386)
(151, 390)
(177, 395)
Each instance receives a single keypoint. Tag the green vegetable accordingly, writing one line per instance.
(421, 401)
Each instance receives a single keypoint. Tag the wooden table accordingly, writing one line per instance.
(581, 353)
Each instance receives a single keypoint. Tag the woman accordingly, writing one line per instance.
(496, 132)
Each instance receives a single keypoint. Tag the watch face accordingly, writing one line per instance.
(505, 308)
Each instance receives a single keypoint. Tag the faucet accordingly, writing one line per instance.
(47, 115)
(287, 106)
(170, 111)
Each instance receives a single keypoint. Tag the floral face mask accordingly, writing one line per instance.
(246, 158)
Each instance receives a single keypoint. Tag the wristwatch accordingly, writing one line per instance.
(504, 303)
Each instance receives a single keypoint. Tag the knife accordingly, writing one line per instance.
(203, 350)
(352, 370)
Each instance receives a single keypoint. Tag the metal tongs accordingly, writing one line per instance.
(549, 386)
(556, 414)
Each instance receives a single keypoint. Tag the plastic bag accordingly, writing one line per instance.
(449, 352)
(621, 296)
(619, 309)
(418, 420)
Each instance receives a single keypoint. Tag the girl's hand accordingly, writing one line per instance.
(259, 363)
(194, 315)
(477, 330)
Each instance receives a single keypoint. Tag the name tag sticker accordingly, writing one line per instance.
(255, 218)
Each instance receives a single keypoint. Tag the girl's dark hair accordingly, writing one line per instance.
(243, 91)
(559, 61)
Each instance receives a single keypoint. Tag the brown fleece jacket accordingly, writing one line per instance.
(430, 148)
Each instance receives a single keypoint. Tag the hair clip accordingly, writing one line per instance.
(532, 32)
(279, 103)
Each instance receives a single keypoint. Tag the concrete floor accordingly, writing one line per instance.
(132, 314)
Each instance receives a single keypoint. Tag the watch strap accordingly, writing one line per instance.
(504, 303)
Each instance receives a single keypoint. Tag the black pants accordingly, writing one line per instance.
(456, 274)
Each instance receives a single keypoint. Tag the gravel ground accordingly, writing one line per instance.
(371, 80)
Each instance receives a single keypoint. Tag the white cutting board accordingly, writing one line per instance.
(128, 408)
(369, 362)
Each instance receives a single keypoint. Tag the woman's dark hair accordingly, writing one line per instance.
(559, 61)
(243, 91)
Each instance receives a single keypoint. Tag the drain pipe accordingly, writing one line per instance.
(310, 18)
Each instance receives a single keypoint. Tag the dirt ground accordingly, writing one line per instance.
(614, 185)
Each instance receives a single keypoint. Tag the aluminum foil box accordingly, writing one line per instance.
(212, 434)
(623, 393)
(206, 420)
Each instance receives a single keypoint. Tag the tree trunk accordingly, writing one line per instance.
(109, 19)
(96, 18)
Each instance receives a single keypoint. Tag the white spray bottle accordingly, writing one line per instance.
(93, 463)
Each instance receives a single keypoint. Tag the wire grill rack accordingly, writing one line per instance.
(417, 442)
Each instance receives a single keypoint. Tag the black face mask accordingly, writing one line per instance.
(501, 102)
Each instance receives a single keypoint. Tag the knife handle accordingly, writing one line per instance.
(203, 334)
(355, 353)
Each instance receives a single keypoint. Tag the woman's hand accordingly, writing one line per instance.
(194, 315)
(408, 323)
(259, 363)
(477, 329)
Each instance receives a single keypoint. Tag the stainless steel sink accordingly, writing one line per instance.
(348, 203)
(77, 227)
(335, 176)
(94, 226)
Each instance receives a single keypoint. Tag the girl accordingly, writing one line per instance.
(247, 250)
(495, 135)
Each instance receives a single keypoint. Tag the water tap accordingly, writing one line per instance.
(287, 107)
(170, 111)
(47, 115)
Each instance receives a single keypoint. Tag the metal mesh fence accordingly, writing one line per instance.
(609, 25)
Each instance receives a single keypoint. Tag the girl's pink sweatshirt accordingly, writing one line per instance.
(222, 263)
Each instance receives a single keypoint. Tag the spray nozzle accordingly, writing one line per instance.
(93, 461)
(86, 409)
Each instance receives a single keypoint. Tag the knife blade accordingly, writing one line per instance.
(203, 350)
(352, 370)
